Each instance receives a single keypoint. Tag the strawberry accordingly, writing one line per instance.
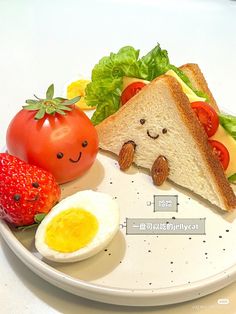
(25, 191)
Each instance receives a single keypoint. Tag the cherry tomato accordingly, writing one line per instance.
(221, 152)
(65, 145)
(207, 116)
(130, 91)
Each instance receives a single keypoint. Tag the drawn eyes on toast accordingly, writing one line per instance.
(164, 131)
(142, 121)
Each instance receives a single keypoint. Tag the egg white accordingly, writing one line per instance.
(101, 205)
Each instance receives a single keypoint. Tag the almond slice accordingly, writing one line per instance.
(126, 155)
(160, 170)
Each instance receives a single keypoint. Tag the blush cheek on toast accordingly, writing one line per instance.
(172, 130)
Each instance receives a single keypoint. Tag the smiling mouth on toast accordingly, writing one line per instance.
(76, 160)
(154, 137)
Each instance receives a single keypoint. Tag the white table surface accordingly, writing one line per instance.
(55, 41)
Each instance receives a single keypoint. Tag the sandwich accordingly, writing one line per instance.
(165, 119)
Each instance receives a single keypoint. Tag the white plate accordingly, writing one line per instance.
(141, 270)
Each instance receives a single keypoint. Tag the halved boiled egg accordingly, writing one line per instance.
(78, 227)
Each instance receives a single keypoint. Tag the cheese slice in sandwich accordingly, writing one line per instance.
(158, 122)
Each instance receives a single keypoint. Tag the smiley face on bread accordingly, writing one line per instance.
(160, 167)
(158, 130)
(149, 132)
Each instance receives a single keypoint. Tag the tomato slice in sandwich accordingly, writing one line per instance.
(130, 91)
(207, 116)
(221, 152)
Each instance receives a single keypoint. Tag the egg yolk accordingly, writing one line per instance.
(71, 230)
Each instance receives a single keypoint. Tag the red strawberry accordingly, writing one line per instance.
(25, 191)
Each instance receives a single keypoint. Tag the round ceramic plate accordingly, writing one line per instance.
(141, 269)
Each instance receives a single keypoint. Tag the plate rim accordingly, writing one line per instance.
(115, 295)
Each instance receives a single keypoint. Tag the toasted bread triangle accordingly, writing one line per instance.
(163, 105)
(198, 81)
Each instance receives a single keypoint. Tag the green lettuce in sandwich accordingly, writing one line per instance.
(107, 77)
(107, 88)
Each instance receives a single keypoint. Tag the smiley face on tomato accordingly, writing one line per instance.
(64, 144)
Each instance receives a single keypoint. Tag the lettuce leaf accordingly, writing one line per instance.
(125, 62)
(232, 179)
(107, 79)
(105, 94)
(229, 123)
(153, 64)
(105, 89)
